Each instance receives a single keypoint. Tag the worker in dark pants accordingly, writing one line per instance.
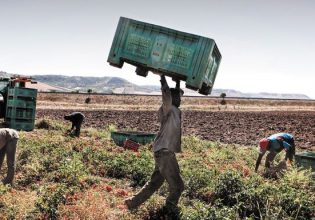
(8, 142)
(166, 144)
(77, 119)
(274, 145)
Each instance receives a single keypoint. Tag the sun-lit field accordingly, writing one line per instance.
(138, 102)
(74, 75)
(239, 121)
(61, 177)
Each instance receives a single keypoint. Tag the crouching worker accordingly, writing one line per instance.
(166, 144)
(77, 119)
(274, 145)
(8, 141)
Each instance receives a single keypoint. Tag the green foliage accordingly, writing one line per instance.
(49, 198)
(141, 168)
(222, 95)
(101, 133)
(216, 186)
(228, 186)
(253, 200)
(50, 124)
(117, 166)
(72, 171)
(3, 189)
(194, 144)
(197, 182)
(295, 194)
(137, 167)
(198, 210)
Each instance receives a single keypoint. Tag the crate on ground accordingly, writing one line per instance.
(306, 160)
(131, 145)
(179, 55)
(119, 137)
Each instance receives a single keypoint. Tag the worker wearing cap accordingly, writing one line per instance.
(77, 119)
(166, 144)
(274, 145)
(8, 142)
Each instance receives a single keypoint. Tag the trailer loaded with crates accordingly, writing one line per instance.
(179, 55)
(18, 106)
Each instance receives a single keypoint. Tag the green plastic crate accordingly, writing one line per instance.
(18, 103)
(119, 137)
(22, 92)
(25, 125)
(21, 108)
(306, 160)
(20, 113)
(179, 55)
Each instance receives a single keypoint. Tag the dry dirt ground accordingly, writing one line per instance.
(233, 127)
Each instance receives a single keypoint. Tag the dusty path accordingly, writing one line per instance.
(228, 127)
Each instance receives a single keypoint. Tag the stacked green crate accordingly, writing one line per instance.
(21, 108)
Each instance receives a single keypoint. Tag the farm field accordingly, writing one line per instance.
(61, 177)
(142, 102)
(241, 121)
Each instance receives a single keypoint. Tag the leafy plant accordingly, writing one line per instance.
(228, 186)
(61, 177)
(50, 197)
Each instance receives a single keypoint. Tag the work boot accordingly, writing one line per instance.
(130, 205)
(7, 181)
(172, 211)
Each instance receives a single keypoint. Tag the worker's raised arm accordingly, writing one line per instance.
(166, 95)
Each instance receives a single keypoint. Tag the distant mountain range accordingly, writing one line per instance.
(116, 85)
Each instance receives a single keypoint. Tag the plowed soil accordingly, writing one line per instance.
(245, 128)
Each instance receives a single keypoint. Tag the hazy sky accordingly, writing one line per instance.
(266, 46)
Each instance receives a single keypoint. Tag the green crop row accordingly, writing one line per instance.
(53, 168)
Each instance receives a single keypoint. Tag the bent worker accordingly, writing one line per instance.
(8, 142)
(166, 144)
(76, 118)
(275, 144)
